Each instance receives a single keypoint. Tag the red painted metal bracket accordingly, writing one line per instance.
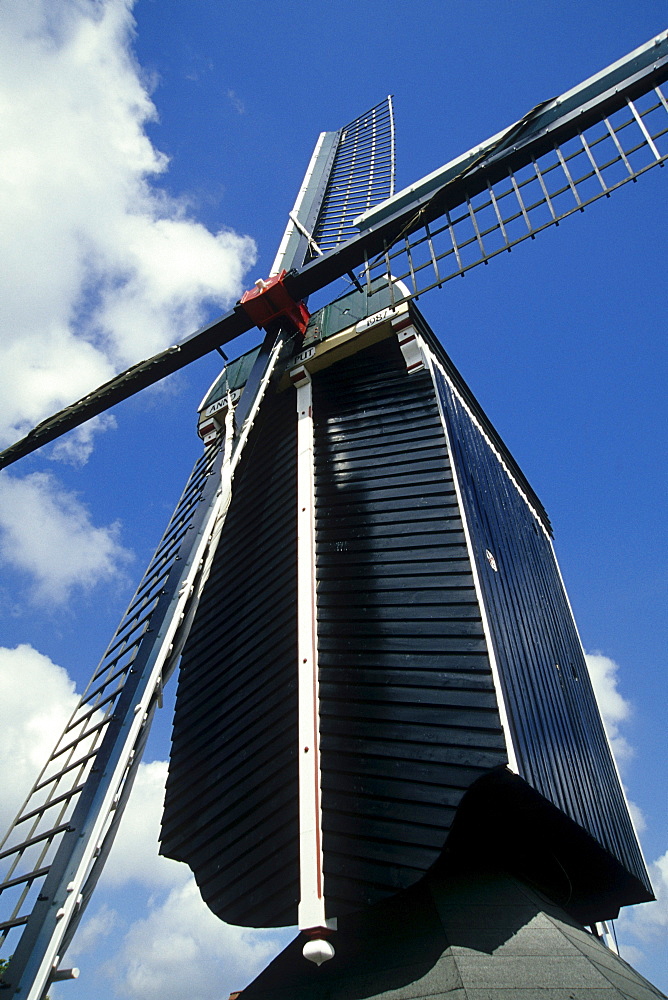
(270, 300)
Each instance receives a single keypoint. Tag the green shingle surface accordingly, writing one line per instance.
(461, 935)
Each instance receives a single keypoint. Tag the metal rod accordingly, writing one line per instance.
(454, 241)
(492, 198)
(409, 255)
(519, 201)
(433, 255)
(659, 94)
(477, 231)
(568, 176)
(643, 129)
(594, 164)
(619, 148)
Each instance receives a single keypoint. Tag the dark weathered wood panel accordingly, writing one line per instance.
(231, 808)
(408, 711)
(562, 749)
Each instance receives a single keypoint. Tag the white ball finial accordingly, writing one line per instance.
(318, 951)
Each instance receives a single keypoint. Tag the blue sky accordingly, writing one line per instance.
(155, 150)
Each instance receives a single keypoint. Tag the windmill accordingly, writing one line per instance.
(560, 157)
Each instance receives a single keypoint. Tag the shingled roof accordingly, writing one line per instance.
(459, 935)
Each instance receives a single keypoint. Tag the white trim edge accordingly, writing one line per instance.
(501, 701)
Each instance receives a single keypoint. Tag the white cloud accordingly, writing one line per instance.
(614, 708)
(134, 856)
(92, 930)
(46, 532)
(36, 699)
(637, 815)
(100, 267)
(647, 923)
(181, 947)
(76, 447)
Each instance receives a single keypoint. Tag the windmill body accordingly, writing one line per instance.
(380, 664)
(453, 691)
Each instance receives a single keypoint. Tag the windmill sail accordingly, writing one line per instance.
(562, 156)
(350, 171)
(63, 832)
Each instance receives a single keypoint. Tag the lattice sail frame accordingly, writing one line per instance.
(562, 156)
(564, 180)
(76, 804)
(31, 843)
(362, 175)
(350, 171)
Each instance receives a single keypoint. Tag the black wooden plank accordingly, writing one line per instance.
(351, 612)
(390, 716)
(406, 557)
(418, 750)
(431, 785)
(389, 587)
(408, 694)
(443, 659)
(358, 493)
(395, 512)
(420, 676)
(414, 644)
(336, 728)
(380, 541)
(394, 527)
(380, 628)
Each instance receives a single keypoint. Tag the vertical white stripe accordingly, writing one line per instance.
(501, 701)
(312, 899)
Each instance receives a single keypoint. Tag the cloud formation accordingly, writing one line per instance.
(614, 708)
(47, 533)
(101, 266)
(182, 947)
(37, 698)
(134, 856)
(76, 447)
(646, 923)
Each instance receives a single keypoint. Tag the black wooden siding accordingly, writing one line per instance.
(231, 803)
(557, 732)
(408, 710)
(409, 714)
